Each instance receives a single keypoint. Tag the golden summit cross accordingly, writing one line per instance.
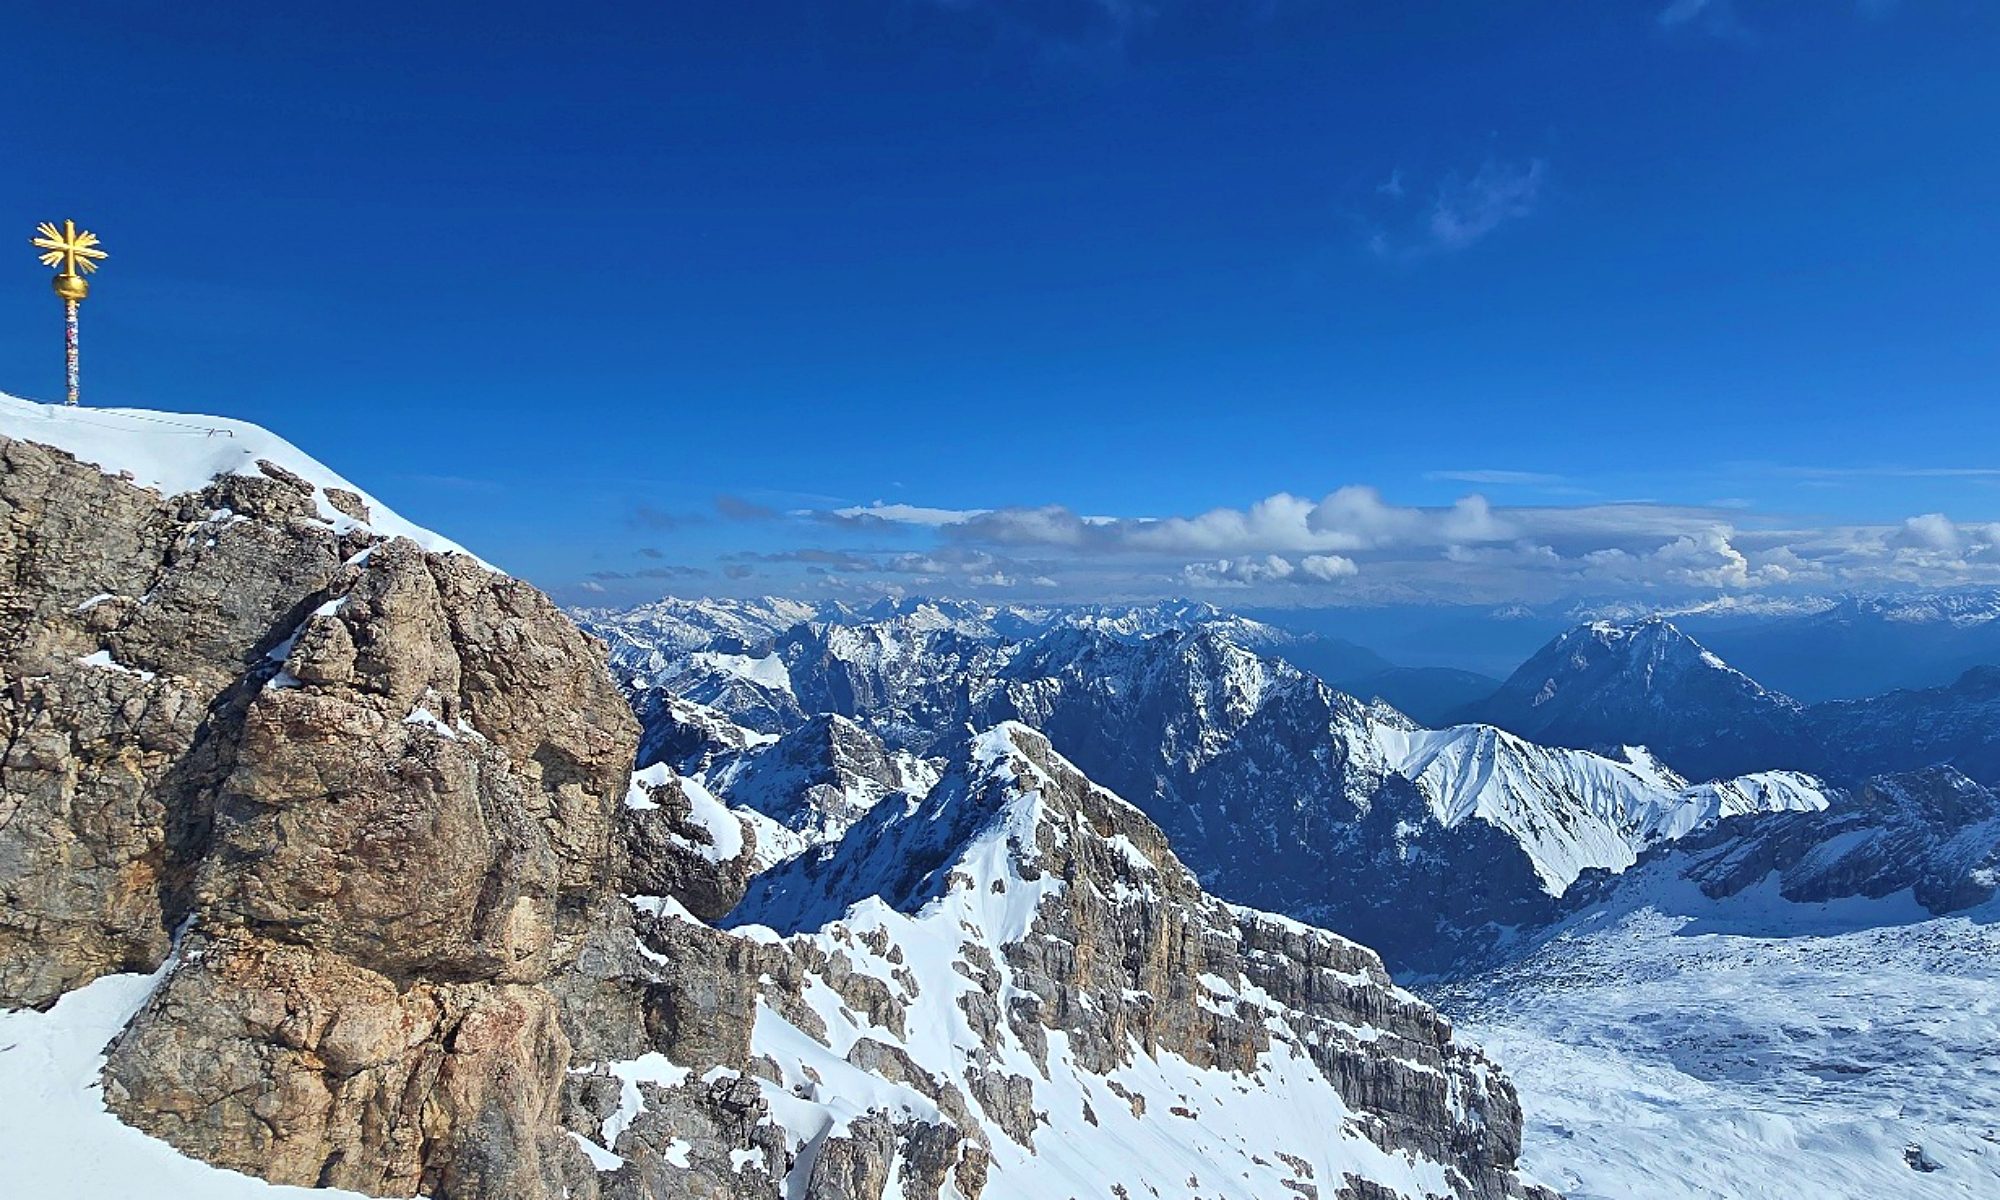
(75, 253)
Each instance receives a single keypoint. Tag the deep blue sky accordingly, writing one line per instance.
(553, 279)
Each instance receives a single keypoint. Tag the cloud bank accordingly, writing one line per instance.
(1354, 546)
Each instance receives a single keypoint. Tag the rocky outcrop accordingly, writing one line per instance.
(376, 785)
(679, 841)
(131, 630)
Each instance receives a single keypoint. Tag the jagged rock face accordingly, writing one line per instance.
(913, 678)
(1110, 956)
(380, 787)
(1933, 832)
(1650, 684)
(370, 814)
(687, 735)
(127, 624)
(280, 1060)
(679, 841)
(811, 785)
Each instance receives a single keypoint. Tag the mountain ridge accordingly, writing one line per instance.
(1600, 684)
(1245, 759)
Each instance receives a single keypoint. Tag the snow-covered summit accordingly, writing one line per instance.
(176, 453)
(1573, 810)
(1607, 684)
(1652, 652)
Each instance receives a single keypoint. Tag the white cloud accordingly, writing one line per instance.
(1403, 223)
(1287, 545)
(908, 514)
(1932, 531)
(1706, 559)
(1280, 522)
(1328, 567)
(1237, 572)
(1268, 569)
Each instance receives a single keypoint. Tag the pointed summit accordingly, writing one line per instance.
(1648, 683)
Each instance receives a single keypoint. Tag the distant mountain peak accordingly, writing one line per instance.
(1650, 659)
(1608, 683)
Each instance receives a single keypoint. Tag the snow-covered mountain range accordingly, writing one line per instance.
(1278, 789)
(1677, 966)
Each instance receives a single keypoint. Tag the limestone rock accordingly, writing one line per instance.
(380, 785)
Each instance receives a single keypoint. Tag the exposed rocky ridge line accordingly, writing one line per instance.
(1649, 682)
(1085, 962)
(385, 794)
(1913, 846)
(1932, 833)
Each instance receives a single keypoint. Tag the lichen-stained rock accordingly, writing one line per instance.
(373, 819)
(412, 852)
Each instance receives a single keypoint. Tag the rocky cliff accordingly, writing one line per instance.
(374, 785)
(365, 806)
